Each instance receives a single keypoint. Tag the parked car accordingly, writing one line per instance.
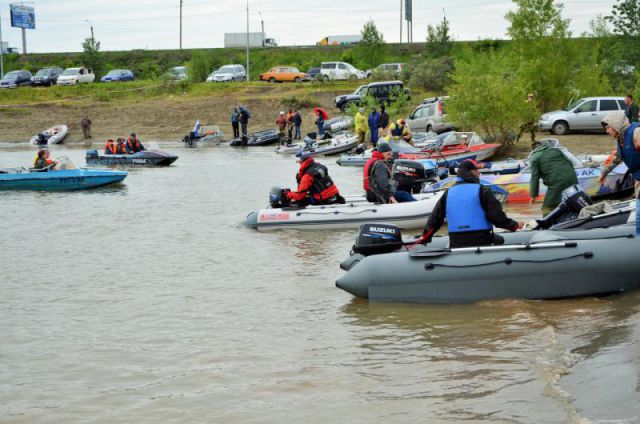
(430, 116)
(118, 75)
(382, 91)
(313, 72)
(340, 71)
(46, 76)
(228, 73)
(15, 79)
(387, 69)
(284, 73)
(74, 76)
(178, 73)
(583, 114)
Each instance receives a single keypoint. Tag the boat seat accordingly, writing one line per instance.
(546, 236)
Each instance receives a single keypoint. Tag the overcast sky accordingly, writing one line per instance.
(154, 24)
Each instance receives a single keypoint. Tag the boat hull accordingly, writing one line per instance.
(144, 158)
(79, 179)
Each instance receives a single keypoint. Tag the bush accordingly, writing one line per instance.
(431, 74)
(199, 67)
(297, 103)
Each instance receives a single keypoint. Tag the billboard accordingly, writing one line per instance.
(408, 10)
(23, 16)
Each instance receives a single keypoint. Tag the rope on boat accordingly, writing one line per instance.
(509, 261)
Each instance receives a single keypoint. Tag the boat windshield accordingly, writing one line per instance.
(469, 138)
(577, 163)
(401, 146)
(64, 163)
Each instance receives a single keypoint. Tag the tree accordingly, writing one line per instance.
(439, 40)
(91, 56)
(535, 19)
(372, 47)
(598, 28)
(199, 67)
(625, 17)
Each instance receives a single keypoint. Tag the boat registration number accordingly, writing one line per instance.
(274, 217)
(138, 160)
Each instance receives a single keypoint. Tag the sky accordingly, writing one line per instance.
(61, 25)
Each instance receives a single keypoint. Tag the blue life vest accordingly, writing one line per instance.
(464, 210)
(628, 152)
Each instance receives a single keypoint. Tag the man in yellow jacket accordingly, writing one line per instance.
(361, 125)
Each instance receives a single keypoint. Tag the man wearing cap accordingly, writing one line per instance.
(314, 184)
(360, 125)
(627, 137)
(555, 169)
(377, 181)
(471, 210)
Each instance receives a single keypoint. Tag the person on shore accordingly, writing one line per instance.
(315, 186)
(627, 137)
(631, 109)
(361, 125)
(290, 125)
(43, 161)
(377, 181)
(384, 122)
(281, 122)
(374, 122)
(85, 123)
(235, 122)
(110, 147)
(133, 144)
(320, 124)
(471, 211)
(399, 131)
(244, 120)
(557, 173)
(531, 124)
(121, 149)
(297, 122)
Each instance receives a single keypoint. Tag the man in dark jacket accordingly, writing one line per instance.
(297, 122)
(631, 109)
(377, 178)
(471, 211)
(557, 173)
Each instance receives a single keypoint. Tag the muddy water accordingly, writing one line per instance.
(149, 302)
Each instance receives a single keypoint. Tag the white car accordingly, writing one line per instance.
(74, 76)
(340, 71)
(228, 73)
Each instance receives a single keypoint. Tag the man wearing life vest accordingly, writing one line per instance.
(627, 136)
(133, 144)
(471, 210)
(314, 184)
(110, 147)
(377, 181)
(399, 131)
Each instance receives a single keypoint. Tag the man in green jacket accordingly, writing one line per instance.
(557, 173)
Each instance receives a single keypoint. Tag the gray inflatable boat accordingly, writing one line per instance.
(531, 265)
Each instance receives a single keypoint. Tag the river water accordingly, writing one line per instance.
(149, 302)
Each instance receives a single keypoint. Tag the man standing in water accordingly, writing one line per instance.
(85, 123)
(627, 137)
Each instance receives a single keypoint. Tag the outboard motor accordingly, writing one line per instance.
(574, 199)
(375, 239)
(41, 139)
(410, 175)
(91, 154)
(278, 197)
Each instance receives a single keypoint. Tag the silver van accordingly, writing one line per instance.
(430, 116)
(584, 114)
(228, 73)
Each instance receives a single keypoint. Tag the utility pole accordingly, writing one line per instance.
(262, 25)
(180, 24)
(1, 51)
(401, 21)
(248, 66)
(93, 40)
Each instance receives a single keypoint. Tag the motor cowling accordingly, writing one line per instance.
(574, 199)
(375, 239)
(278, 197)
(410, 175)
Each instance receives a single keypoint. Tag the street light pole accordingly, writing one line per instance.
(93, 40)
(180, 24)
(401, 21)
(262, 25)
(1, 51)
(248, 66)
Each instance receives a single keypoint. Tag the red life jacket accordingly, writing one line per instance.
(375, 156)
(109, 147)
(322, 187)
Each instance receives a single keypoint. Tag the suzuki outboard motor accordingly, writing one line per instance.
(375, 239)
(574, 199)
(278, 197)
(410, 175)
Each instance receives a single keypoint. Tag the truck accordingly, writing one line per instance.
(239, 39)
(339, 40)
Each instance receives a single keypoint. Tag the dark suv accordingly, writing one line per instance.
(381, 91)
(15, 79)
(46, 76)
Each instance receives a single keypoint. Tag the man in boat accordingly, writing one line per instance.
(471, 211)
(377, 181)
(315, 186)
(133, 144)
(399, 131)
(627, 137)
(557, 173)
(110, 147)
(121, 149)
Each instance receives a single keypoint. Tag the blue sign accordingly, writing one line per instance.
(23, 16)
